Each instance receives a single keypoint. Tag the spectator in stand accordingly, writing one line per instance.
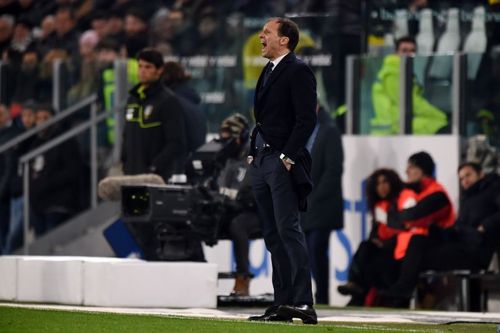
(65, 35)
(32, 9)
(88, 71)
(154, 138)
(7, 132)
(15, 235)
(53, 177)
(162, 29)
(148, 7)
(6, 31)
(372, 265)
(47, 27)
(22, 38)
(115, 27)
(181, 32)
(47, 71)
(326, 206)
(209, 32)
(100, 24)
(170, 27)
(28, 78)
(136, 32)
(83, 10)
(7, 57)
(87, 43)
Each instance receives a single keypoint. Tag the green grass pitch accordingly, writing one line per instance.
(23, 320)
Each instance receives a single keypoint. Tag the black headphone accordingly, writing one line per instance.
(245, 135)
(245, 132)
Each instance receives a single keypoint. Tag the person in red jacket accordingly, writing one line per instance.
(384, 188)
(429, 221)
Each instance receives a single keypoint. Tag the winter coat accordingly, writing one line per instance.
(154, 138)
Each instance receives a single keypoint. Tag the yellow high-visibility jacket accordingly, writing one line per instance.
(427, 119)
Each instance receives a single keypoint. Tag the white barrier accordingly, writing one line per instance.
(142, 284)
(107, 282)
(8, 278)
(49, 280)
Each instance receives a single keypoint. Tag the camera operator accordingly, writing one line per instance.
(241, 222)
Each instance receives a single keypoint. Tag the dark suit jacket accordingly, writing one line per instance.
(285, 107)
(325, 203)
(301, 178)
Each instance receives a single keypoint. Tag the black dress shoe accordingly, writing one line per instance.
(304, 312)
(351, 289)
(271, 314)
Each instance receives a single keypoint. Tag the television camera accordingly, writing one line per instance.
(169, 221)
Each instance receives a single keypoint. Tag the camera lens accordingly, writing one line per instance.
(135, 201)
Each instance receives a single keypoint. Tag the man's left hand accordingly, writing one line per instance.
(287, 165)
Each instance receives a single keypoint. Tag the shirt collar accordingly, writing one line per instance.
(277, 60)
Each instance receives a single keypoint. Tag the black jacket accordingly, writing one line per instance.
(301, 177)
(285, 106)
(16, 176)
(54, 176)
(325, 203)
(234, 177)
(7, 160)
(285, 113)
(195, 116)
(480, 205)
(154, 138)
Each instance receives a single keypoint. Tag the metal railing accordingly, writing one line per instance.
(458, 94)
(58, 97)
(352, 78)
(57, 118)
(25, 162)
(405, 95)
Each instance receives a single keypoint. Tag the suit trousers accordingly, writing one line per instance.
(242, 228)
(318, 241)
(278, 210)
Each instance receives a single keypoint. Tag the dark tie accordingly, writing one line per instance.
(267, 73)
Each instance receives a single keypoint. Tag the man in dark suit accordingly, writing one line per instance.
(284, 108)
(325, 203)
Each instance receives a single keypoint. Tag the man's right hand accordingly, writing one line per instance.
(249, 159)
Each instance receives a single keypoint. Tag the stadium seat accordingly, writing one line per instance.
(401, 23)
(476, 42)
(425, 44)
(448, 44)
(425, 37)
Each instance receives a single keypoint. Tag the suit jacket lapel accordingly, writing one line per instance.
(274, 75)
(258, 90)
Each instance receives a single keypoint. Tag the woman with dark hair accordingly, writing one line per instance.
(384, 189)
